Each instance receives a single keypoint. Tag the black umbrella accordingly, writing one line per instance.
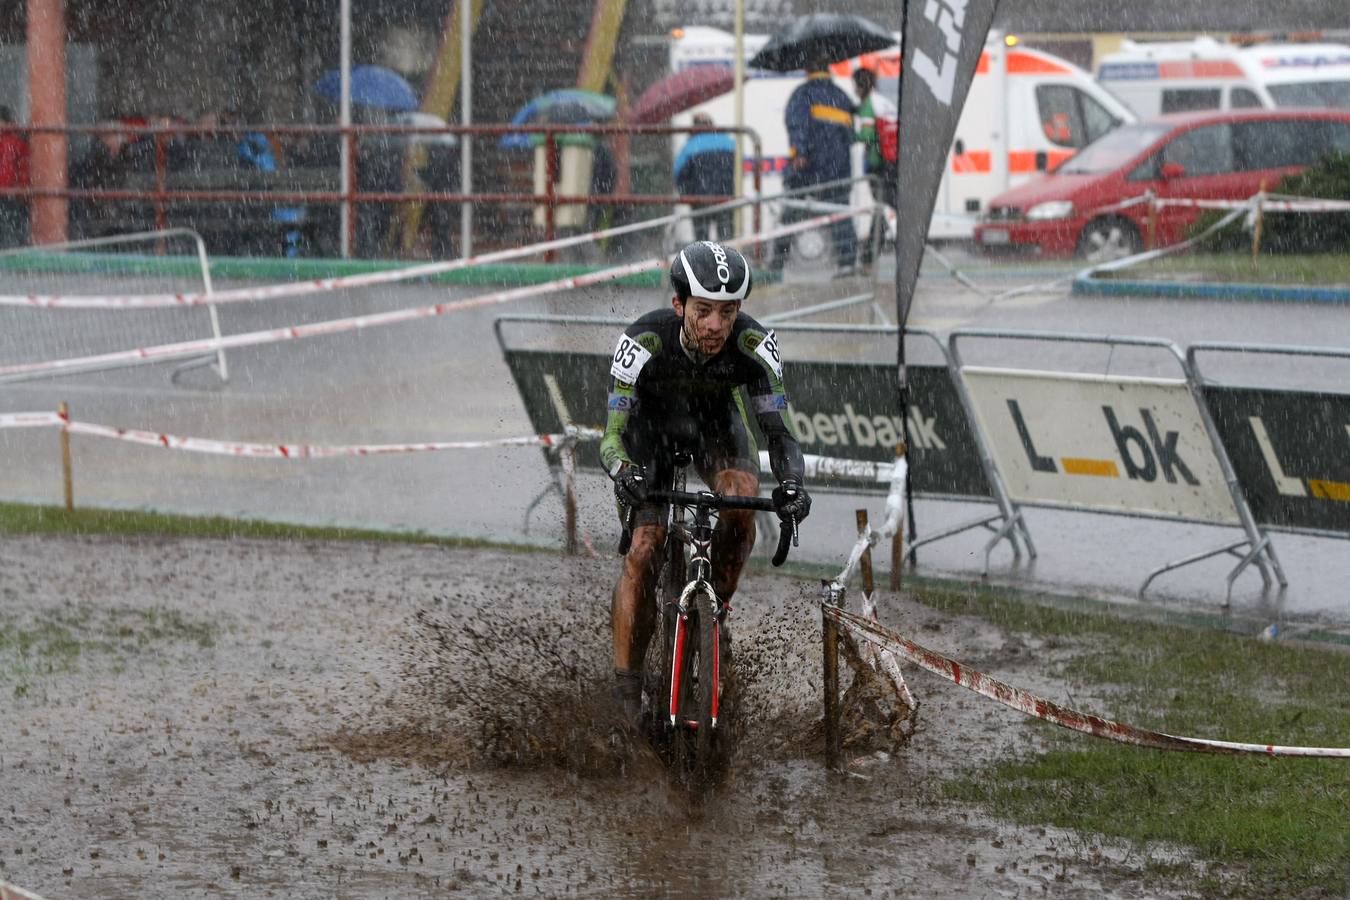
(821, 38)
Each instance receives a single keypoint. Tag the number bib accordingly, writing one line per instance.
(768, 351)
(629, 358)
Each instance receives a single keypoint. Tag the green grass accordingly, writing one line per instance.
(56, 639)
(1282, 824)
(20, 518)
(1331, 268)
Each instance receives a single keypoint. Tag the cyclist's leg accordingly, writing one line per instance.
(734, 536)
(631, 612)
(730, 465)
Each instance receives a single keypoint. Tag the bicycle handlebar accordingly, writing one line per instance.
(787, 532)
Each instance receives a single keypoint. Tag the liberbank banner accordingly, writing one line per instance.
(1291, 453)
(1131, 445)
(839, 410)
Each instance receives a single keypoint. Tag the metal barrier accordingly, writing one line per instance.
(1259, 549)
(1292, 446)
(158, 238)
(161, 196)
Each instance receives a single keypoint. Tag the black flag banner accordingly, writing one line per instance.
(941, 47)
(943, 40)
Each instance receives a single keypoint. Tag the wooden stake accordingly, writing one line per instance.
(831, 682)
(67, 477)
(567, 456)
(1260, 220)
(860, 516)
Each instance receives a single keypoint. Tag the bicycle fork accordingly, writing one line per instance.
(700, 563)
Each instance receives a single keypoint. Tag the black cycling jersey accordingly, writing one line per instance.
(658, 393)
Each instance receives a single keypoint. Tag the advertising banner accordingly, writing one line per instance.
(839, 410)
(1130, 445)
(1291, 453)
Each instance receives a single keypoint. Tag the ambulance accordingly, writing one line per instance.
(1185, 76)
(1027, 112)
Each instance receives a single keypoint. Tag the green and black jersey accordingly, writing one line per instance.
(659, 397)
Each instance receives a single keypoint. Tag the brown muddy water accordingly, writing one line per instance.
(192, 718)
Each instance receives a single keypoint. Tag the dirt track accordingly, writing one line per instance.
(362, 720)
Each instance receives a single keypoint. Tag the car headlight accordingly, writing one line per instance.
(1054, 209)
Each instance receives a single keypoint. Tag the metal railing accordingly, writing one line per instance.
(165, 137)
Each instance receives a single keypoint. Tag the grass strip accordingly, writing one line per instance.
(1282, 825)
(21, 518)
(1330, 268)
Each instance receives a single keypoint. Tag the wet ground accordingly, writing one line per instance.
(200, 717)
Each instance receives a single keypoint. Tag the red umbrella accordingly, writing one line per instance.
(676, 93)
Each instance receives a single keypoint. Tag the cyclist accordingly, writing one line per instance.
(685, 377)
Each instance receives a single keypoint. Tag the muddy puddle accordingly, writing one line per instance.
(192, 718)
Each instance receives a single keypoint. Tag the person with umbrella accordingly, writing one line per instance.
(819, 120)
(819, 115)
(706, 166)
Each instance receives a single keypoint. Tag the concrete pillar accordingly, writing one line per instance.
(47, 106)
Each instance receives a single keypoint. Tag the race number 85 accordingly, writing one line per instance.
(626, 353)
(770, 346)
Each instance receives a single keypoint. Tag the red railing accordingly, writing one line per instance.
(161, 195)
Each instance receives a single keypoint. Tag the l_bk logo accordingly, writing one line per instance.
(1143, 454)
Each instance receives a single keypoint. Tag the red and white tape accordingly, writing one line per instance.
(30, 419)
(290, 451)
(166, 352)
(1032, 705)
(321, 285)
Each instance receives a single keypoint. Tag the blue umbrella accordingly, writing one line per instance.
(568, 106)
(371, 86)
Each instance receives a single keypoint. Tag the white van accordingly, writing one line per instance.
(1180, 76)
(1027, 112)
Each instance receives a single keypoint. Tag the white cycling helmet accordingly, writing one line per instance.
(710, 271)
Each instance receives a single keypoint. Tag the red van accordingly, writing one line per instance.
(1198, 156)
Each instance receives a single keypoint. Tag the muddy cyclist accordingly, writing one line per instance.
(686, 377)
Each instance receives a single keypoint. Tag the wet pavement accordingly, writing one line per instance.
(444, 379)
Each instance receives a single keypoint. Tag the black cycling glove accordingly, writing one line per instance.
(630, 484)
(791, 500)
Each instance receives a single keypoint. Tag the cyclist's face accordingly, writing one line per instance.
(707, 323)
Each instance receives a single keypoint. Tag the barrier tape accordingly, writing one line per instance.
(30, 419)
(288, 451)
(880, 659)
(367, 279)
(1032, 705)
(165, 352)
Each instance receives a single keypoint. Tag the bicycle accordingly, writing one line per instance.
(682, 673)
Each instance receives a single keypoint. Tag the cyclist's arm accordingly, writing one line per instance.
(635, 347)
(622, 403)
(768, 399)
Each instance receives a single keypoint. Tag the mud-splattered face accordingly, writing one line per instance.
(707, 323)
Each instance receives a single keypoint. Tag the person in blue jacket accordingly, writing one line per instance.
(819, 122)
(706, 166)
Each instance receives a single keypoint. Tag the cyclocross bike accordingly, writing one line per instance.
(683, 675)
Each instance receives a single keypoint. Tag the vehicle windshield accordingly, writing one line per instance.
(1312, 93)
(1112, 150)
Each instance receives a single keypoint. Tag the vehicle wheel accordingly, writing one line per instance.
(1106, 239)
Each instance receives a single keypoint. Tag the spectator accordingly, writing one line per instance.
(819, 121)
(14, 159)
(706, 167)
(103, 167)
(883, 172)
